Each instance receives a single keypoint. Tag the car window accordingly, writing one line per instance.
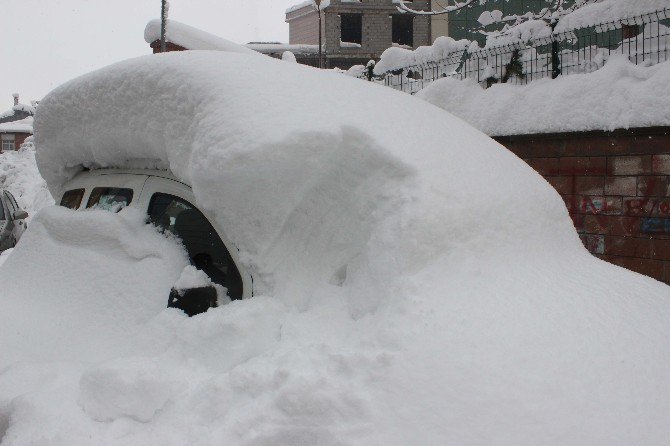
(110, 198)
(72, 198)
(2, 209)
(11, 208)
(204, 246)
(11, 198)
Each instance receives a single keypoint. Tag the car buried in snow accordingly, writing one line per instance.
(168, 203)
(12, 220)
(413, 281)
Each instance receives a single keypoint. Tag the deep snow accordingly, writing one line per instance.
(421, 284)
(620, 95)
(19, 175)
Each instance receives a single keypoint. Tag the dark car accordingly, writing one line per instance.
(12, 220)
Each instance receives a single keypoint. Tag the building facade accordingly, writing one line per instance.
(353, 32)
(16, 125)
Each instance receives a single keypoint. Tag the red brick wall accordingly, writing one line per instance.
(616, 188)
(20, 138)
(169, 46)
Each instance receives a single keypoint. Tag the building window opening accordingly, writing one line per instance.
(351, 26)
(402, 30)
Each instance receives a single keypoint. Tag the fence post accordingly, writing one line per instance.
(555, 59)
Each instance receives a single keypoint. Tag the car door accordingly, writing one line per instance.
(170, 205)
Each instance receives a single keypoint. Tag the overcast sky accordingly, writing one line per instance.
(44, 43)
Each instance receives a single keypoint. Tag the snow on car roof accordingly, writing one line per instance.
(267, 133)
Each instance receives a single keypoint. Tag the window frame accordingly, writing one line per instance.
(396, 38)
(357, 32)
(81, 191)
(219, 243)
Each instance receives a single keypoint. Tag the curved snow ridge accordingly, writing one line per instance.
(299, 166)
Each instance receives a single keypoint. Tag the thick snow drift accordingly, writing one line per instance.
(422, 284)
(620, 95)
(19, 174)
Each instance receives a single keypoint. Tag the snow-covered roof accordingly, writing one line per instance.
(298, 6)
(191, 38)
(22, 126)
(620, 95)
(281, 47)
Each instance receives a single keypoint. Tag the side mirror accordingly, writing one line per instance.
(20, 215)
(193, 301)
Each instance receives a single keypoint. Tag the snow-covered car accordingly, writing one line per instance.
(168, 203)
(12, 220)
(413, 281)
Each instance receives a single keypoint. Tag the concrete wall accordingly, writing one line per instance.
(616, 188)
(376, 32)
(304, 26)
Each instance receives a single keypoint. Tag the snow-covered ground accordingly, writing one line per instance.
(620, 95)
(419, 283)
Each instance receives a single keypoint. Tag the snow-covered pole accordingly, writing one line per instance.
(318, 11)
(164, 12)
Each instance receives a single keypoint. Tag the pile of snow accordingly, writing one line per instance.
(19, 175)
(422, 284)
(191, 38)
(395, 57)
(620, 95)
(605, 11)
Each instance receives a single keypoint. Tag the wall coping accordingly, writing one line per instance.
(638, 131)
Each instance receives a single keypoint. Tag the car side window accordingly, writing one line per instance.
(110, 198)
(205, 248)
(13, 200)
(11, 208)
(72, 198)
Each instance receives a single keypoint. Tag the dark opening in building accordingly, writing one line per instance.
(351, 28)
(402, 29)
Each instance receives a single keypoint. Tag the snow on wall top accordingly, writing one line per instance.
(190, 38)
(255, 138)
(608, 11)
(620, 95)
(23, 126)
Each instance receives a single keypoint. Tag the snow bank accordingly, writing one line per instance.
(395, 57)
(608, 11)
(620, 95)
(87, 273)
(191, 38)
(19, 174)
(423, 285)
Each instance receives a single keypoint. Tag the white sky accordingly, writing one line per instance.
(44, 43)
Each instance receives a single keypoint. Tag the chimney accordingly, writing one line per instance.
(16, 98)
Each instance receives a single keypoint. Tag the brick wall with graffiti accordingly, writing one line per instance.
(616, 188)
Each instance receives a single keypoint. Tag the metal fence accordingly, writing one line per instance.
(645, 39)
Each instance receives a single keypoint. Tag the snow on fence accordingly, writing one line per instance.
(644, 38)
